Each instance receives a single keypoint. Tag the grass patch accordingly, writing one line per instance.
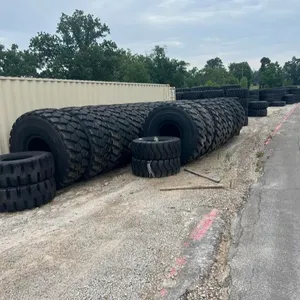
(259, 154)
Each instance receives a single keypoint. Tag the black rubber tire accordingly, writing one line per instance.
(23, 168)
(27, 197)
(155, 168)
(240, 93)
(246, 121)
(239, 113)
(193, 95)
(204, 88)
(212, 94)
(244, 102)
(186, 123)
(278, 103)
(179, 95)
(62, 135)
(219, 120)
(257, 113)
(156, 148)
(227, 87)
(99, 139)
(208, 122)
(258, 104)
(289, 98)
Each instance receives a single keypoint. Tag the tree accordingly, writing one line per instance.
(17, 63)
(214, 63)
(240, 70)
(75, 51)
(244, 82)
(291, 71)
(271, 75)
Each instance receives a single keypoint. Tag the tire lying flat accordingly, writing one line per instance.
(156, 148)
(23, 168)
(155, 168)
(28, 196)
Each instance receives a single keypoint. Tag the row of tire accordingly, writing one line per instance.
(82, 142)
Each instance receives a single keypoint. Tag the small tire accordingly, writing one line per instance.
(27, 197)
(155, 168)
(156, 148)
(257, 113)
(23, 168)
(258, 105)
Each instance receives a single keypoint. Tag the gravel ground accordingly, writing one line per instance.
(118, 236)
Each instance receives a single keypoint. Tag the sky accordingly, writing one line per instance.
(192, 30)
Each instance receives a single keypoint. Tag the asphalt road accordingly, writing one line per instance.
(265, 260)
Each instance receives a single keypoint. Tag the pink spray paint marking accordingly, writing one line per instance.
(197, 234)
(172, 273)
(203, 226)
(163, 292)
(181, 261)
(277, 128)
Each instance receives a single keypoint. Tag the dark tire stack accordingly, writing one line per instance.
(277, 103)
(156, 157)
(289, 98)
(296, 93)
(254, 95)
(193, 95)
(212, 94)
(258, 109)
(227, 87)
(26, 180)
(273, 96)
(204, 88)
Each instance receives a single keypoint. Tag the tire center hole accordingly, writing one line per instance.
(38, 144)
(170, 130)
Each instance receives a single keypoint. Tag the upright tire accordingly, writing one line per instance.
(179, 120)
(57, 132)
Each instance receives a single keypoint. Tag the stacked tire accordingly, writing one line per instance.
(272, 96)
(26, 180)
(289, 98)
(258, 109)
(296, 93)
(156, 157)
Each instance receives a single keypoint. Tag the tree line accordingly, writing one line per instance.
(81, 49)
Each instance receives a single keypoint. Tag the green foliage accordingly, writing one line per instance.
(291, 70)
(240, 70)
(271, 75)
(244, 82)
(81, 49)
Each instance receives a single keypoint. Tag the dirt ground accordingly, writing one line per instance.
(119, 236)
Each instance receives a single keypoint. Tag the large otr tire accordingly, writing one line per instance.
(155, 168)
(180, 120)
(99, 139)
(57, 132)
(156, 148)
(28, 196)
(23, 168)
